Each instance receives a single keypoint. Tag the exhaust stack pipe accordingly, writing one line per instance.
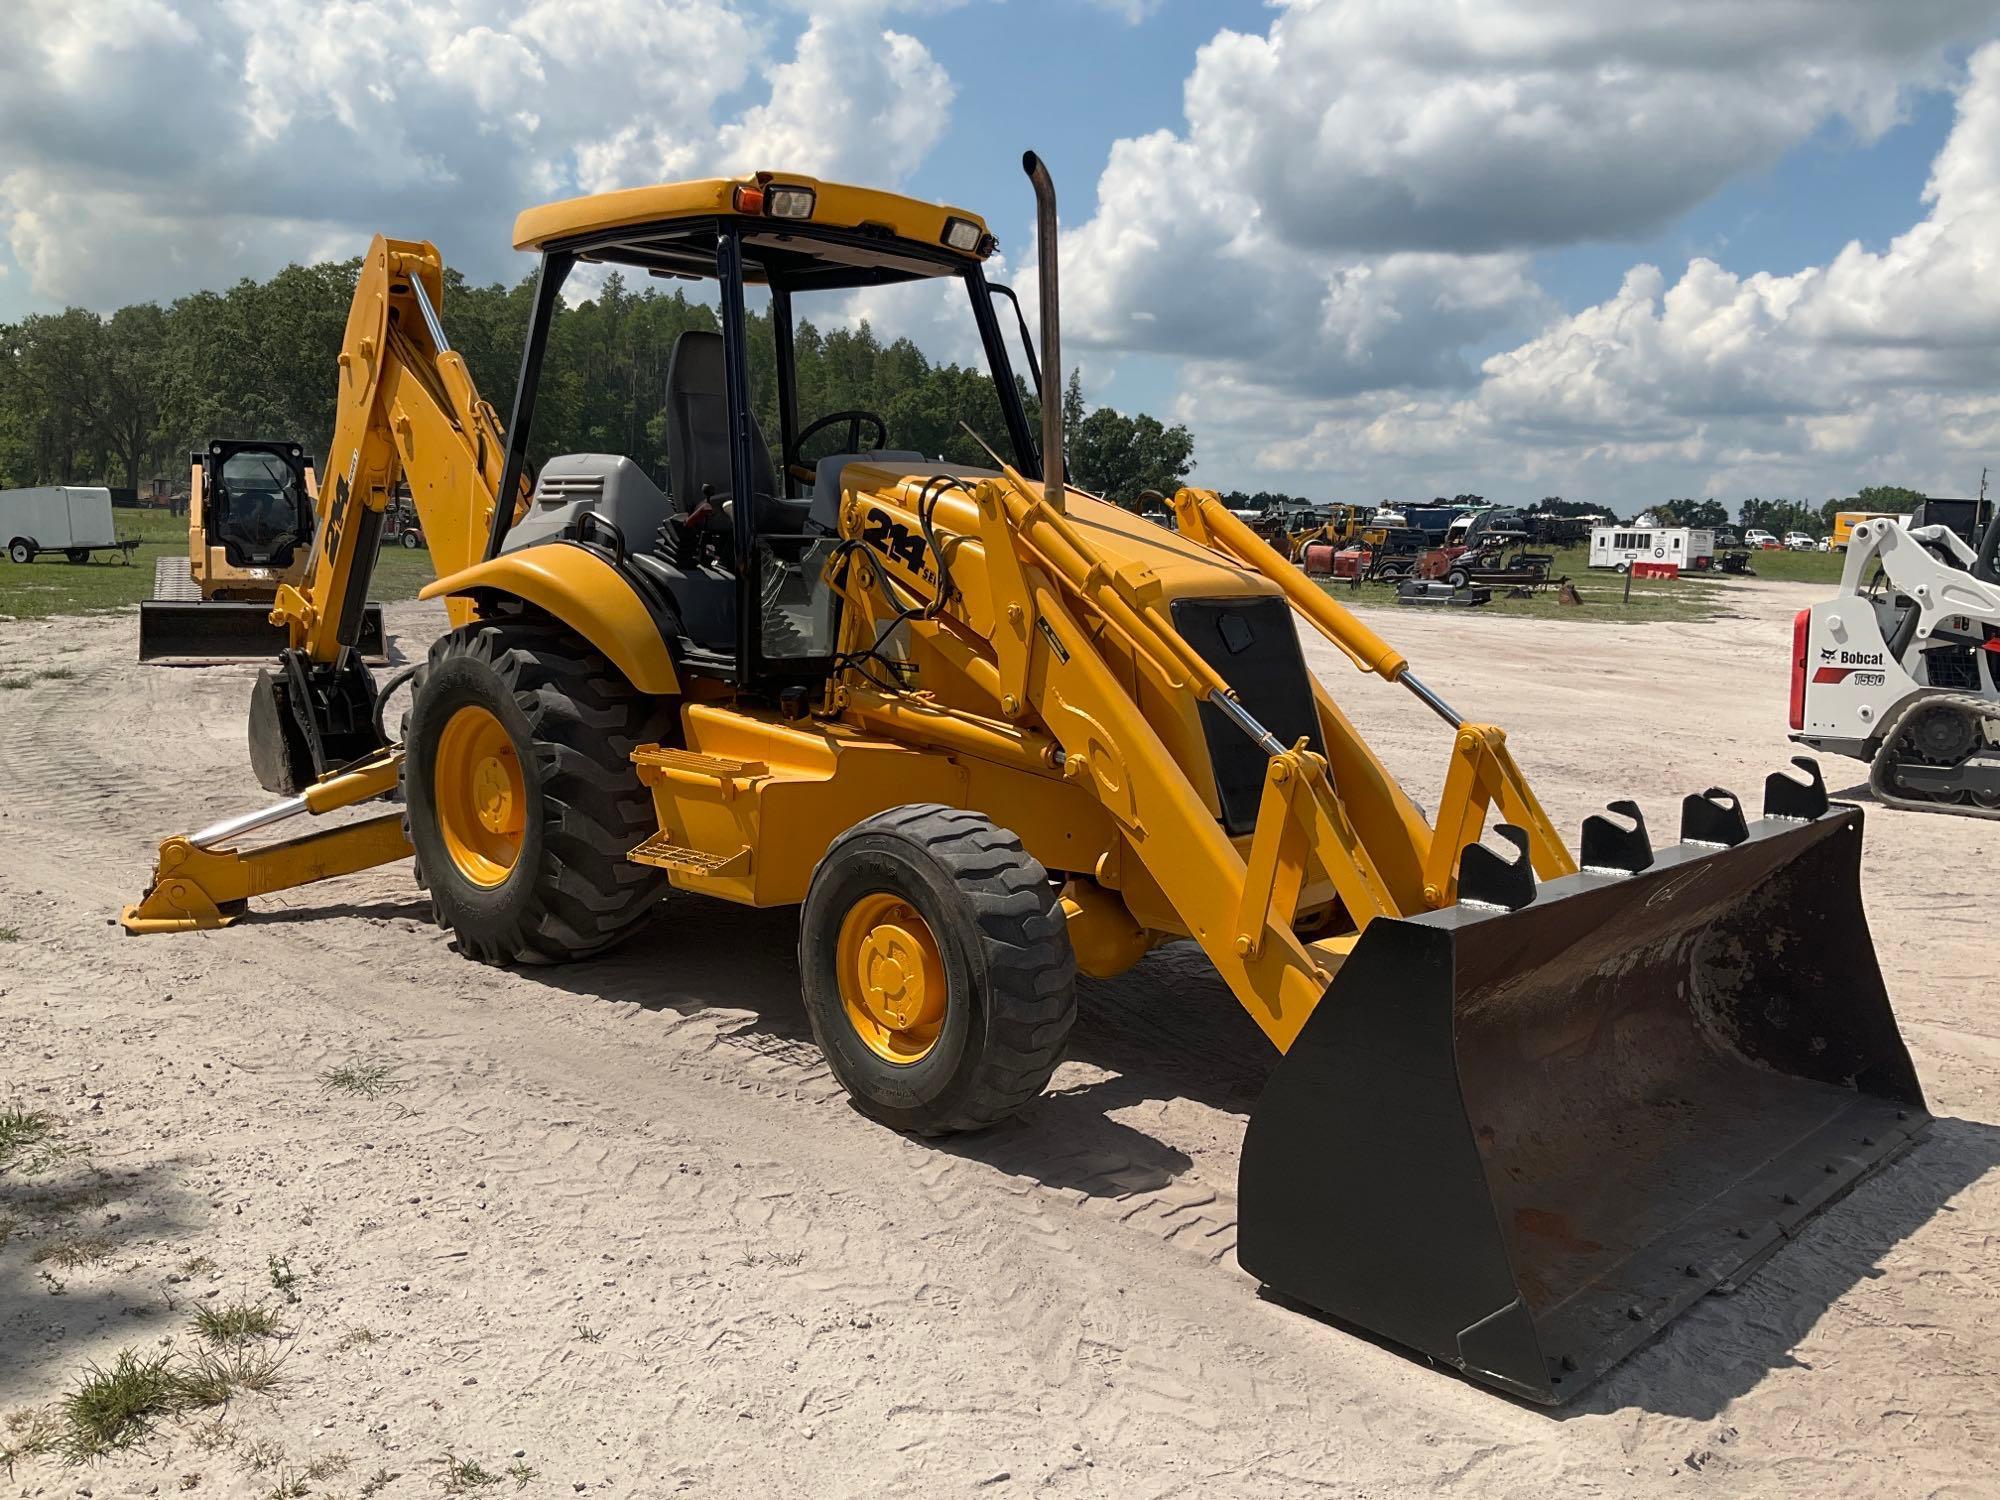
(1045, 267)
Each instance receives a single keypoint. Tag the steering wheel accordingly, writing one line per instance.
(804, 472)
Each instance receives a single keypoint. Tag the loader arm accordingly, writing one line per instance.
(1042, 656)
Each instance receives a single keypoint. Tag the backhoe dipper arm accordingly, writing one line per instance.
(406, 407)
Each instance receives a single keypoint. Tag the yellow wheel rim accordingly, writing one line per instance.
(481, 798)
(891, 978)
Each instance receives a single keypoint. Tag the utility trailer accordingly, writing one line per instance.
(72, 519)
(1618, 547)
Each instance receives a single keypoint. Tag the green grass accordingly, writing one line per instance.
(52, 585)
(212, 1378)
(369, 1078)
(462, 1476)
(10, 934)
(117, 1407)
(114, 1408)
(1799, 567)
(1605, 601)
(30, 1433)
(73, 1250)
(233, 1324)
(20, 1129)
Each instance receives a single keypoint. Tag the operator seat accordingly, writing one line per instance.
(698, 441)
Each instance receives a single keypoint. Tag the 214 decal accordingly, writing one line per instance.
(897, 542)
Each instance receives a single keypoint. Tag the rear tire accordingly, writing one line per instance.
(520, 795)
(78, 554)
(20, 551)
(999, 973)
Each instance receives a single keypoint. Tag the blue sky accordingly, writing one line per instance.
(1362, 247)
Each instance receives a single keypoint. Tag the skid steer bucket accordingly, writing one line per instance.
(1522, 1134)
(184, 633)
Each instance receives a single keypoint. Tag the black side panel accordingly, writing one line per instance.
(368, 545)
(1254, 645)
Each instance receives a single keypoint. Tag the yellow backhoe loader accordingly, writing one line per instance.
(251, 528)
(987, 733)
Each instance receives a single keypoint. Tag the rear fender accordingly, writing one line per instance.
(587, 594)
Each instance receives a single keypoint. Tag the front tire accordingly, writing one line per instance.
(937, 969)
(20, 552)
(521, 798)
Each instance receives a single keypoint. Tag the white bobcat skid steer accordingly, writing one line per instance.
(1902, 669)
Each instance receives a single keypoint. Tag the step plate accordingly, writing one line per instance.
(694, 763)
(663, 852)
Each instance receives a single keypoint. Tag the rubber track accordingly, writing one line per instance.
(1878, 769)
(173, 579)
(586, 719)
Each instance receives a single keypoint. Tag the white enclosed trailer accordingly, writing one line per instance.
(1691, 548)
(68, 518)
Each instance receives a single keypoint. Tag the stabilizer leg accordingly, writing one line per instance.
(200, 881)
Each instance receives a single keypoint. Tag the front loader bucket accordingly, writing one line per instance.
(181, 633)
(1523, 1141)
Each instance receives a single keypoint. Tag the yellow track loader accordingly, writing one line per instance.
(988, 733)
(251, 529)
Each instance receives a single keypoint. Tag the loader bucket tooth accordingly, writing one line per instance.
(1492, 880)
(1521, 1142)
(1713, 817)
(1788, 797)
(1610, 845)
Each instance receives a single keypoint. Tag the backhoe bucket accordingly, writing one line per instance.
(1522, 1141)
(183, 633)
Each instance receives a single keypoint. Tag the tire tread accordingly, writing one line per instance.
(586, 721)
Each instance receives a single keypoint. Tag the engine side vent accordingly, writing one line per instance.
(1953, 667)
(563, 489)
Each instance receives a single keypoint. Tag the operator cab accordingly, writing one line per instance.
(731, 534)
(257, 501)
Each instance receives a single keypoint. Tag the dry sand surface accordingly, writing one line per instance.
(616, 1218)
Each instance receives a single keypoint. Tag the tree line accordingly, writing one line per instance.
(121, 400)
(1781, 516)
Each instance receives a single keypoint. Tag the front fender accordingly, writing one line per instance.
(587, 594)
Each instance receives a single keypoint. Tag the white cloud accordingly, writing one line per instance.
(1876, 356)
(855, 99)
(295, 127)
(1346, 226)
(1433, 124)
(1131, 12)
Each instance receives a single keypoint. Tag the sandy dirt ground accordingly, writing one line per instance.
(617, 1220)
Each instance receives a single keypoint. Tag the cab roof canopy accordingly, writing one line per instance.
(803, 233)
